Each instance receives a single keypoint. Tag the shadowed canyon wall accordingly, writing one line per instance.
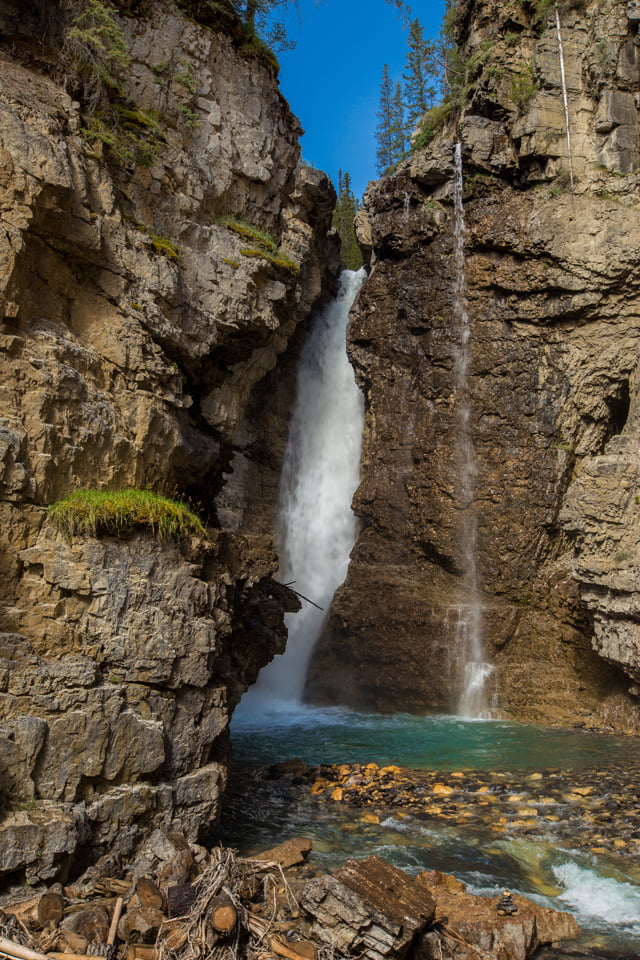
(134, 330)
(553, 294)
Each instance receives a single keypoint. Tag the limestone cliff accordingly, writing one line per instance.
(552, 254)
(135, 327)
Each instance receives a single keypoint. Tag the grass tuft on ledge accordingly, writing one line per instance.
(120, 512)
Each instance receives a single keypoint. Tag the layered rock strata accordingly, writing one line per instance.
(134, 331)
(554, 305)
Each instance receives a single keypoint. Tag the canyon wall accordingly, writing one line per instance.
(136, 327)
(553, 295)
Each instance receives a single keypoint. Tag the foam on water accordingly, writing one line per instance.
(593, 897)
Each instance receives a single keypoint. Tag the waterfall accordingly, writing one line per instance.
(321, 470)
(565, 98)
(469, 625)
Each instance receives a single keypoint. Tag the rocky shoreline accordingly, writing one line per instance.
(180, 900)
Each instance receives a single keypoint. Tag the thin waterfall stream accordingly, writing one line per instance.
(469, 627)
(317, 527)
(565, 99)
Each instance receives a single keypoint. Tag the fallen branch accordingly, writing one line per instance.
(301, 595)
(276, 945)
(17, 951)
(113, 929)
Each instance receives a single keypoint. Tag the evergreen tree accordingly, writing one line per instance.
(390, 132)
(398, 125)
(343, 217)
(420, 78)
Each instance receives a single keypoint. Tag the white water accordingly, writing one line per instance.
(565, 99)
(320, 474)
(469, 627)
(598, 900)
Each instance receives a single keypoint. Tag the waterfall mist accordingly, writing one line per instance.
(316, 526)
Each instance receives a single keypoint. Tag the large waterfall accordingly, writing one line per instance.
(317, 527)
(469, 642)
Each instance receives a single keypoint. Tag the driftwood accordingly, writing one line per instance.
(142, 951)
(115, 919)
(11, 949)
(140, 924)
(71, 956)
(176, 870)
(26, 911)
(74, 941)
(91, 922)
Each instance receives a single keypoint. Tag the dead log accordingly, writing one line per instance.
(91, 922)
(149, 894)
(142, 951)
(74, 941)
(222, 914)
(25, 911)
(174, 935)
(11, 949)
(50, 909)
(177, 870)
(260, 928)
(180, 899)
(55, 955)
(140, 925)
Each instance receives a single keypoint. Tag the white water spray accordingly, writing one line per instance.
(469, 626)
(320, 474)
(565, 98)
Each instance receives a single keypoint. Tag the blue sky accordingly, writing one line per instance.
(332, 78)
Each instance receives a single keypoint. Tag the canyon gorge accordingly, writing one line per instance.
(150, 339)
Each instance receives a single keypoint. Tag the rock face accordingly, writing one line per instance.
(553, 304)
(134, 331)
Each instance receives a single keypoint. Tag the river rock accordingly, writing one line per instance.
(471, 928)
(367, 905)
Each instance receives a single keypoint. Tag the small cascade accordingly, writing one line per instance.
(406, 212)
(565, 98)
(469, 626)
(321, 470)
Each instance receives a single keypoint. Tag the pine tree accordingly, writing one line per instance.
(391, 132)
(343, 217)
(398, 125)
(422, 70)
